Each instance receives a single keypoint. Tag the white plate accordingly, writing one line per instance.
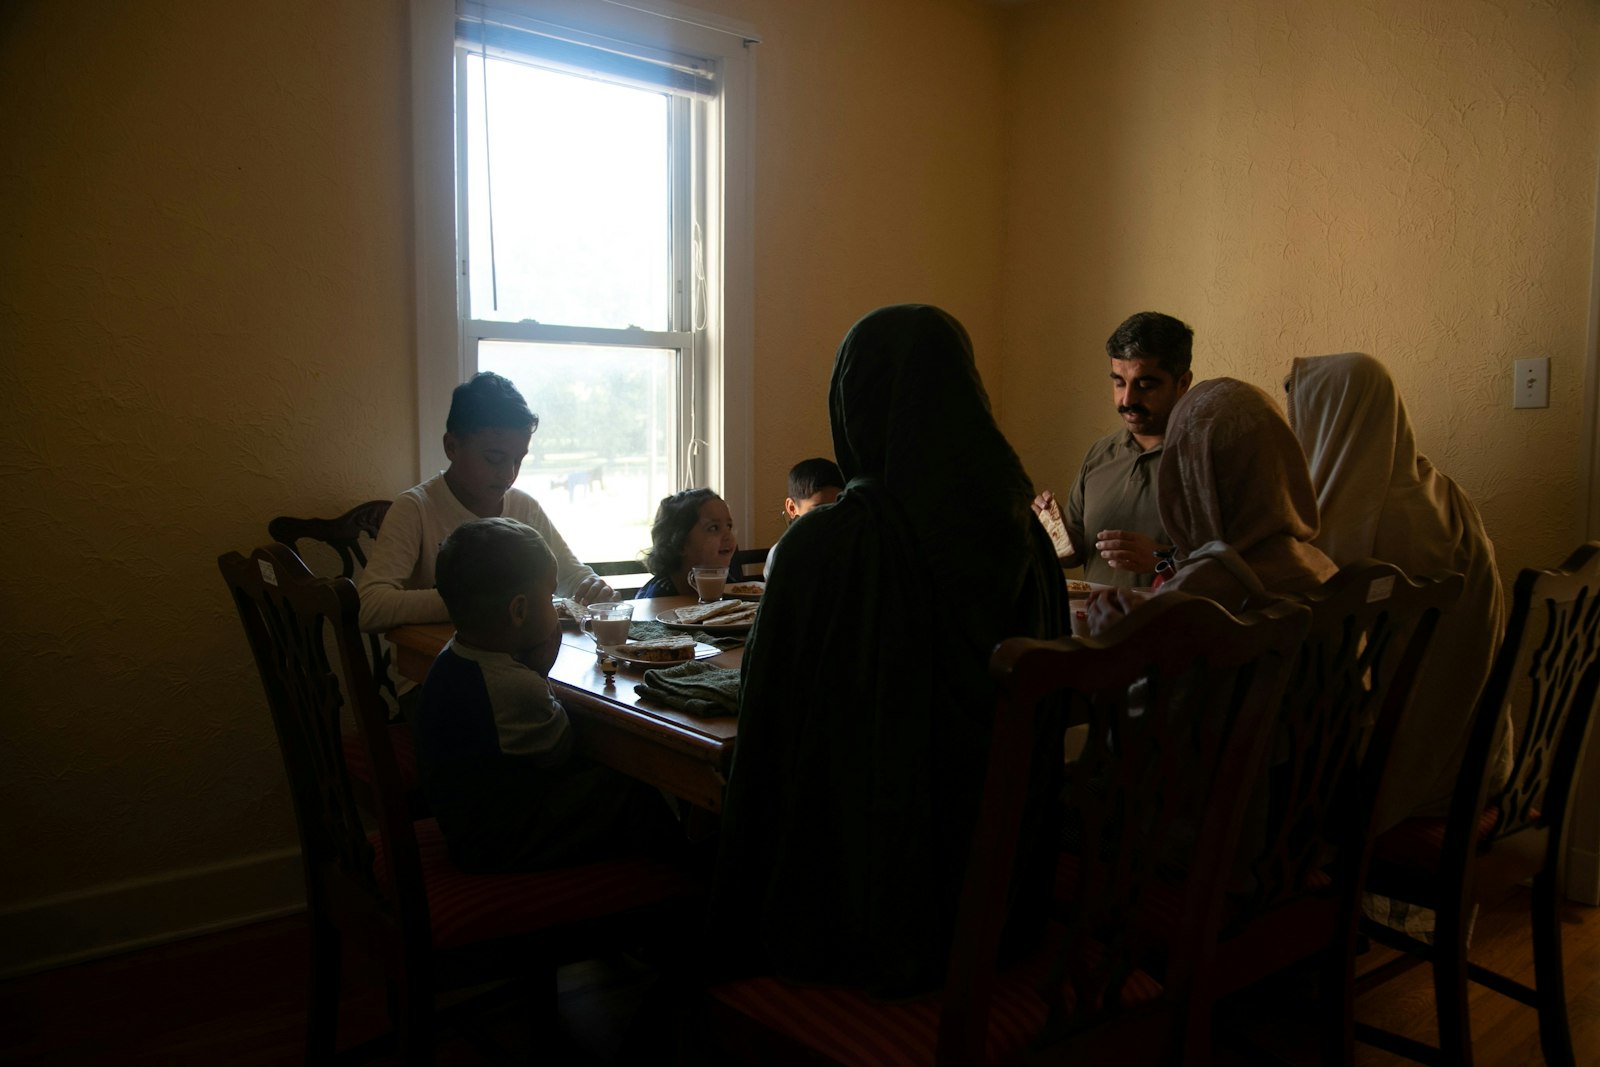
(701, 651)
(669, 619)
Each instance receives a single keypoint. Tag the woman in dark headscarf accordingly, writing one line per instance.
(866, 705)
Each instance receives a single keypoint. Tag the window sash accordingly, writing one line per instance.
(506, 35)
(721, 315)
(687, 197)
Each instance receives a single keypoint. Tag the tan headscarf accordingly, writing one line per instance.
(1379, 497)
(1236, 498)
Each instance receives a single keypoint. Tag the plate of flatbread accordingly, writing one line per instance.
(720, 617)
(660, 652)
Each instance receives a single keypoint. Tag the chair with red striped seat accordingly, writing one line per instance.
(1548, 673)
(1178, 698)
(394, 893)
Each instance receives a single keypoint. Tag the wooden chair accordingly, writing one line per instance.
(753, 560)
(1179, 700)
(394, 893)
(343, 535)
(629, 574)
(1548, 668)
(1371, 626)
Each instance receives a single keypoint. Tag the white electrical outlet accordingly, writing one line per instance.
(1530, 383)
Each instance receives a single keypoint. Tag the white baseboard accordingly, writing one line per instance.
(41, 934)
(1583, 875)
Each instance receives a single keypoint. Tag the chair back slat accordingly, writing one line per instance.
(288, 615)
(1371, 626)
(1178, 700)
(344, 535)
(1551, 654)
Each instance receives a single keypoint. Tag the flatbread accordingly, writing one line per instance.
(1056, 527)
(659, 649)
(721, 612)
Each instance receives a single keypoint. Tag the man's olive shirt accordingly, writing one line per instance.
(1115, 490)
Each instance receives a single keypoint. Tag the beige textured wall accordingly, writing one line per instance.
(878, 138)
(206, 320)
(1412, 179)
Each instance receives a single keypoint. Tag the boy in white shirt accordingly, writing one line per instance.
(486, 439)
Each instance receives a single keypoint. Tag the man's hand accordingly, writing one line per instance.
(1042, 501)
(593, 590)
(1125, 550)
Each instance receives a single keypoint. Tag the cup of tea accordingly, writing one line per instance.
(708, 582)
(608, 623)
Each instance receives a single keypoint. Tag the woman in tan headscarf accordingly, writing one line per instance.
(1236, 501)
(1380, 497)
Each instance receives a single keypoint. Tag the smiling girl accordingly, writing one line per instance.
(693, 528)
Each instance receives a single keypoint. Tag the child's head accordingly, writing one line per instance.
(486, 438)
(693, 528)
(496, 577)
(812, 483)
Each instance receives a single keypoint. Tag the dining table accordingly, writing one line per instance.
(681, 753)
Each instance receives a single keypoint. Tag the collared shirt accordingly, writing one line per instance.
(1115, 490)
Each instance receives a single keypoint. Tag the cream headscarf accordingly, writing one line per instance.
(1236, 499)
(1379, 497)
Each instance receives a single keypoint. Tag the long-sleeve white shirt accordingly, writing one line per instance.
(396, 586)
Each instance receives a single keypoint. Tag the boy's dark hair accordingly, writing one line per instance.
(675, 517)
(1152, 335)
(483, 564)
(488, 400)
(810, 476)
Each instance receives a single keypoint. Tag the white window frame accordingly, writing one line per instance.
(717, 373)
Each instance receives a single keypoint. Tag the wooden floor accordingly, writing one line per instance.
(238, 998)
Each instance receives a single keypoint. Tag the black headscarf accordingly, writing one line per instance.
(866, 704)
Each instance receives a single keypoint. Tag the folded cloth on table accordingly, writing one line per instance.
(697, 687)
(645, 629)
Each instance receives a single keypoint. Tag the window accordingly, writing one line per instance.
(595, 207)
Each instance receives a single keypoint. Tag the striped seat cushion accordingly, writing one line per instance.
(468, 908)
(857, 1030)
(1417, 843)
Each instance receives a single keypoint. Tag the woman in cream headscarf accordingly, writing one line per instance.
(1235, 500)
(1379, 497)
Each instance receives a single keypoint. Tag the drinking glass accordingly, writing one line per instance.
(708, 582)
(608, 623)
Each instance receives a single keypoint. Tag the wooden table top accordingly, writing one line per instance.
(687, 755)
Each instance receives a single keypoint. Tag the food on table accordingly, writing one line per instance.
(745, 588)
(657, 649)
(1076, 588)
(720, 613)
(1056, 527)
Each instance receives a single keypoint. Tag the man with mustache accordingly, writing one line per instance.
(1114, 498)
